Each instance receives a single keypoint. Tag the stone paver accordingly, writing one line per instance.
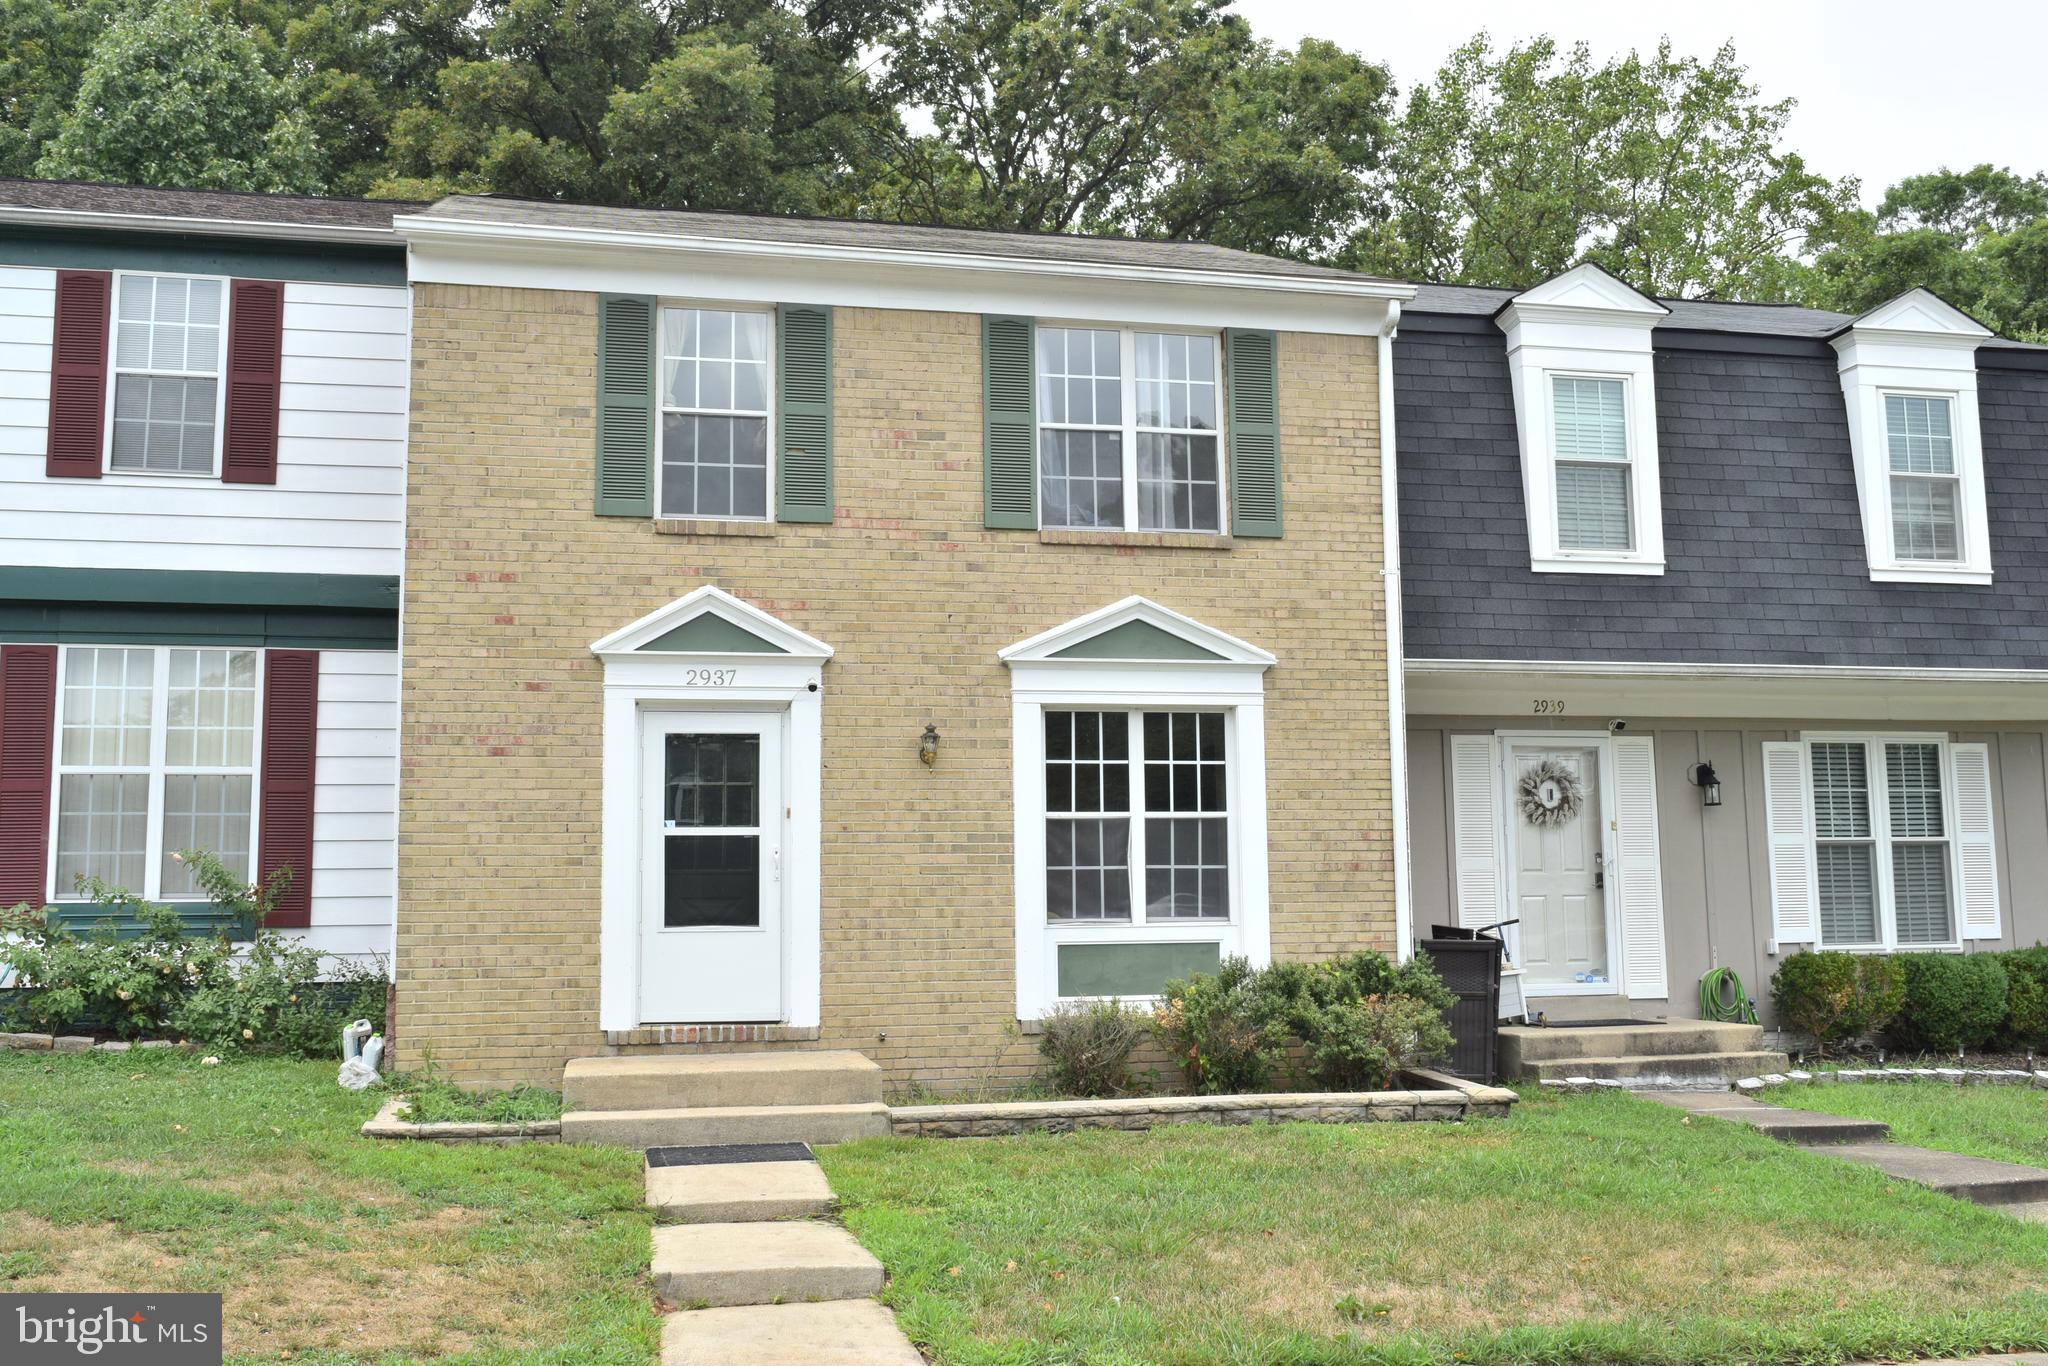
(1808, 1128)
(761, 1263)
(738, 1192)
(834, 1333)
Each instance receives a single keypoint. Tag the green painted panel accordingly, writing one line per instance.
(85, 623)
(1135, 640)
(1130, 969)
(196, 254)
(710, 634)
(200, 917)
(349, 592)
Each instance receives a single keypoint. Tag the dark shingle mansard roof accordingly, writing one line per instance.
(847, 233)
(218, 206)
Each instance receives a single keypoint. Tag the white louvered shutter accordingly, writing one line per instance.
(1788, 826)
(1476, 830)
(1642, 869)
(1976, 857)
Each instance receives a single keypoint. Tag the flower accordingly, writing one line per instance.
(209, 1061)
(177, 857)
(125, 994)
(248, 1033)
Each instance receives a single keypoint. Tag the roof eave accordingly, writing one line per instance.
(209, 227)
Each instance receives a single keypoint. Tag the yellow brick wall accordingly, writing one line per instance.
(510, 578)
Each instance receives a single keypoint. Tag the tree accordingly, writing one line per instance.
(44, 45)
(1978, 238)
(1154, 117)
(1666, 170)
(172, 96)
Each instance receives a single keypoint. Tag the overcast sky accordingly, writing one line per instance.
(1886, 88)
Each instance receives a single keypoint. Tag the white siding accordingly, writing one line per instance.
(338, 506)
(355, 802)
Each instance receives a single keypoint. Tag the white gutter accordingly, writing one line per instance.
(1397, 697)
(212, 227)
(417, 230)
(1723, 672)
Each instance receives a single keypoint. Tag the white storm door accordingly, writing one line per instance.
(711, 908)
(1559, 879)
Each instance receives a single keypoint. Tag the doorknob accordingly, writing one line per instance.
(1599, 869)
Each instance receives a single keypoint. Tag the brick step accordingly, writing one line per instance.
(712, 1265)
(1643, 1072)
(703, 1126)
(1527, 1044)
(737, 1192)
(832, 1333)
(835, 1076)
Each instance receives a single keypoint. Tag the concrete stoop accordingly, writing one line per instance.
(1653, 1071)
(1650, 1054)
(819, 1096)
(719, 1125)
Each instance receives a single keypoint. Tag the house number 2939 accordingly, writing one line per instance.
(1548, 706)
(709, 678)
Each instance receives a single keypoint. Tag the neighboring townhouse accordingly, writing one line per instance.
(202, 456)
(1724, 633)
(845, 635)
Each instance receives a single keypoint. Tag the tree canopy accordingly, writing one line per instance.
(1153, 118)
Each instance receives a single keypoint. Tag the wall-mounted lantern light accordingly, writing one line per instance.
(928, 745)
(1708, 782)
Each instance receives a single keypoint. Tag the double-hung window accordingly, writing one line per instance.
(167, 384)
(1128, 429)
(1589, 445)
(1926, 490)
(717, 375)
(156, 753)
(1883, 848)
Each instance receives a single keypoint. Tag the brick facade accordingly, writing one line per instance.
(510, 577)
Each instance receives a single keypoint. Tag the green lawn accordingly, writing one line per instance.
(149, 1171)
(1584, 1229)
(2009, 1123)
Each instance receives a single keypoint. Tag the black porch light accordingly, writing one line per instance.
(1708, 782)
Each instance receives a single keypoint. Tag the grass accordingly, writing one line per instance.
(432, 1100)
(1600, 1228)
(150, 1171)
(2008, 1123)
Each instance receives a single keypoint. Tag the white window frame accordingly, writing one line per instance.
(1627, 464)
(1232, 683)
(662, 408)
(1127, 351)
(115, 371)
(1881, 837)
(156, 769)
(1919, 347)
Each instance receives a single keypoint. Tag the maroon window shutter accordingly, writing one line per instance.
(291, 704)
(28, 717)
(255, 374)
(78, 374)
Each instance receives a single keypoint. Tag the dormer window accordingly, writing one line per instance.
(1580, 358)
(1909, 380)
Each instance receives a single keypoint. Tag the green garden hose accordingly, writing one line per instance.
(1723, 1000)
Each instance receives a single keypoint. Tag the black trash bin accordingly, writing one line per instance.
(1471, 969)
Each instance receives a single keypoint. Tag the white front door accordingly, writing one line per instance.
(711, 907)
(1560, 872)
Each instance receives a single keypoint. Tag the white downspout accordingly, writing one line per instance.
(1397, 698)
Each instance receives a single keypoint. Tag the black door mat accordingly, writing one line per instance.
(729, 1152)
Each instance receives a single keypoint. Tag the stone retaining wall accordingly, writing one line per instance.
(387, 1124)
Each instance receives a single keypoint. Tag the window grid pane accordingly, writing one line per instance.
(1088, 823)
(1920, 900)
(1180, 481)
(106, 707)
(1589, 418)
(102, 829)
(1918, 434)
(1592, 507)
(1848, 894)
(715, 381)
(1926, 519)
(1913, 789)
(210, 715)
(1187, 865)
(1841, 791)
(1080, 416)
(209, 811)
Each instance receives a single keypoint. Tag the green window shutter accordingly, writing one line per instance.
(1252, 361)
(625, 405)
(1009, 447)
(803, 414)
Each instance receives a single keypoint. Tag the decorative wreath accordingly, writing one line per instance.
(1549, 793)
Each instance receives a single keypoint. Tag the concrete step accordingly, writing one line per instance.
(737, 1192)
(1976, 1179)
(836, 1076)
(694, 1127)
(833, 1333)
(1807, 1128)
(711, 1265)
(1520, 1044)
(1642, 1072)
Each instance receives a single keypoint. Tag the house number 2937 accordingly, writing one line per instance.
(1548, 706)
(709, 678)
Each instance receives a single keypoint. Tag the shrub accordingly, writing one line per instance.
(1222, 1029)
(1837, 997)
(1362, 1018)
(1087, 1048)
(1953, 1001)
(167, 979)
(2026, 999)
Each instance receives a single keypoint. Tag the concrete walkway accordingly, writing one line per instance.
(754, 1276)
(2007, 1186)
